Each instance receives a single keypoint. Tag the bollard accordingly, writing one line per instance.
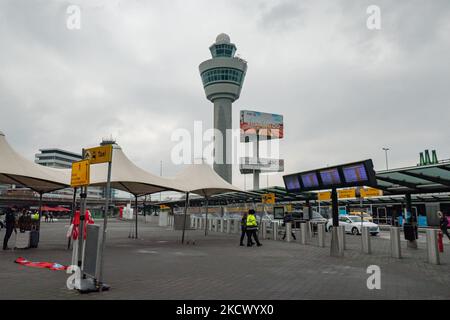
(236, 226)
(275, 230)
(288, 230)
(304, 233)
(395, 243)
(341, 239)
(432, 246)
(264, 230)
(221, 225)
(216, 224)
(310, 231)
(210, 224)
(334, 247)
(228, 226)
(321, 234)
(366, 240)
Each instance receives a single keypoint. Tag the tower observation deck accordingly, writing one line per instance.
(222, 77)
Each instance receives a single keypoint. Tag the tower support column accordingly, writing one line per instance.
(222, 145)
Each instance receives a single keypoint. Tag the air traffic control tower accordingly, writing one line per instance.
(222, 78)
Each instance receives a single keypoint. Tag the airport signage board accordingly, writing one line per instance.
(342, 194)
(265, 126)
(249, 165)
(80, 174)
(342, 176)
(100, 154)
(268, 198)
(370, 192)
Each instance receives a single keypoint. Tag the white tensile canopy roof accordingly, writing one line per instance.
(126, 176)
(203, 180)
(15, 169)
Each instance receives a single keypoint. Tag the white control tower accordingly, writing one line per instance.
(222, 78)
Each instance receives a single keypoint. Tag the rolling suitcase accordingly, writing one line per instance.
(34, 238)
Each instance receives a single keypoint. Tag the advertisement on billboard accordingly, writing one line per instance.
(267, 125)
(249, 165)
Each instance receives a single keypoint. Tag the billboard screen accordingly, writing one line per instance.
(347, 175)
(292, 183)
(309, 180)
(355, 173)
(330, 177)
(266, 125)
(249, 165)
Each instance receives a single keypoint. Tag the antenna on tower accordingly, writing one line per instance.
(107, 141)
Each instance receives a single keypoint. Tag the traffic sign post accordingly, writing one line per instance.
(102, 154)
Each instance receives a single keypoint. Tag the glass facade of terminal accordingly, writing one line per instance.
(222, 75)
(223, 50)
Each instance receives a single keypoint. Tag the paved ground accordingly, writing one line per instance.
(158, 266)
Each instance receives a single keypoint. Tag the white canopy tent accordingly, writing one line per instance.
(126, 176)
(202, 180)
(15, 169)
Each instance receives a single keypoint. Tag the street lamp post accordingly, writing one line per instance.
(385, 151)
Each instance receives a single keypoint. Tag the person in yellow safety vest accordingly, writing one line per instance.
(252, 227)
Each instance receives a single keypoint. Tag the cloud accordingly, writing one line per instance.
(132, 72)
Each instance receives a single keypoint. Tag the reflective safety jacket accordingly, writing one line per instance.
(251, 222)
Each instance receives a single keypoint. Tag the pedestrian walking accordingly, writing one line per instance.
(252, 227)
(10, 224)
(443, 223)
(244, 229)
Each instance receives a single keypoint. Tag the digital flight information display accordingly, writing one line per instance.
(310, 180)
(291, 182)
(355, 173)
(330, 177)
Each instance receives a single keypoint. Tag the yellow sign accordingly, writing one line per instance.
(346, 193)
(80, 173)
(342, 194)
(371, 192)
(268, 198)
(324, 196)
(99, 154)
(163, 207)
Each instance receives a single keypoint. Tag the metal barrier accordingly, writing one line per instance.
(321, 234)
(432, 246)
(275, 231)
(288, 230)
(236, 226)
(341, 239)
(303, 233)
(366, 248)
(264, 230)
(395, 242)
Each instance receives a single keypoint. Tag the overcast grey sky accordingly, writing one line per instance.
(131, 71)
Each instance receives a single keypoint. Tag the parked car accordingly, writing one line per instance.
(317, 218)
(366, 216)
(352, 224)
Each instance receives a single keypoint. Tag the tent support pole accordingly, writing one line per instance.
(136, 208)
(72, 215)
(206, 219)
(185, 215)
(40, 214)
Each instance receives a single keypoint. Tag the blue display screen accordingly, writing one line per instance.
(330, 177)
(355, 173)
(292, 183)
(310, 180)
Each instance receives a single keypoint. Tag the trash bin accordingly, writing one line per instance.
(410, 232)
